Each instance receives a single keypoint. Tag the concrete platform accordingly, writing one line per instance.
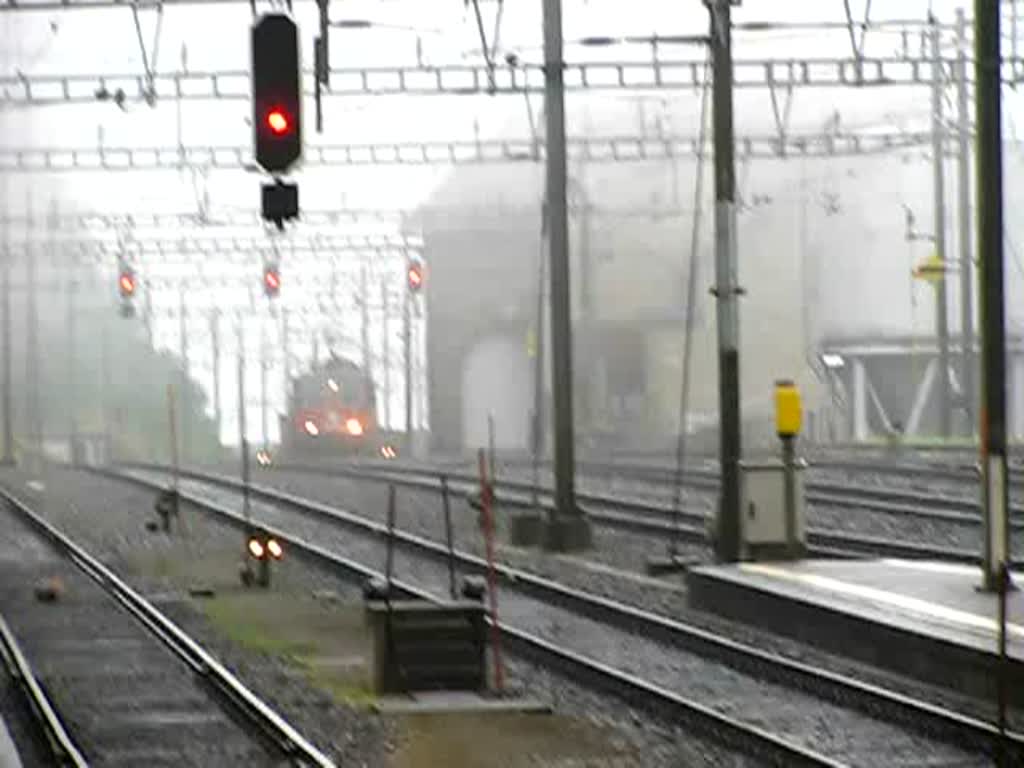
(456, 702)
(924, 619)
(8, 752)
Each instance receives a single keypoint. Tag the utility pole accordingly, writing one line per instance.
(385, 351)
(184, 399)
(570, 529)
(364, 317)
(8, 457)
(964, 203)
(286, 361)
(988, 116)
(71, 383)
(264, 412)
(105, 388)
(32, 345)
(407, 355)
(939, 189)
(147, 312)
(537, 433)
(215, 344)
(242, 433)
(726, 291)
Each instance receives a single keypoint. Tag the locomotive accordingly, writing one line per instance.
(331, 411)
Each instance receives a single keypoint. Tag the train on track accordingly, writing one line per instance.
(332, 411)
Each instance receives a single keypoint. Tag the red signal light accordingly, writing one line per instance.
(415, 277)
(272, 280)
(278, 122)
(126, 283)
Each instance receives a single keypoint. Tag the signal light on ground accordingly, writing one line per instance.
(354, 427)
(388, 452)
(255, 547)
(275, 549)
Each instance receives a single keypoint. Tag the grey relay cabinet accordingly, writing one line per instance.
(763, 496)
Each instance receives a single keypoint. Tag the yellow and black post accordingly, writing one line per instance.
(787, 426)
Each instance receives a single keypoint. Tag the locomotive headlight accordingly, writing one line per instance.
(354, 427)
(311, 428)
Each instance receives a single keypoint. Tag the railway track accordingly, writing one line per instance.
(656, 517)
(126, 685)
(59, 746)
(772, 706)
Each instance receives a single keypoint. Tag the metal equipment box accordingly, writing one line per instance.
(416, 645)
(763, 499)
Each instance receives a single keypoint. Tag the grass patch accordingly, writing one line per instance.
(242, 618)
(493, 740)
(325, 639)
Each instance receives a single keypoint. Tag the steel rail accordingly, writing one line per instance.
(623, 685)
(61, 746)
(645, 517)
(895, 500)
(930, 718)
(285, 737)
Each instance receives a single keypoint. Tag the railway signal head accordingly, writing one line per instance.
(262, 547)
(271, 280)
(276, 92)
(126, 287)
(414, 275)
(126, 283)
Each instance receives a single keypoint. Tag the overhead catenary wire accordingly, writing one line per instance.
(691, 299)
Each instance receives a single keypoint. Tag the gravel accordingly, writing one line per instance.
(813, 722)
(852, 520)
(419, 512)
(107, 518)
(353, 737)
(123, 696)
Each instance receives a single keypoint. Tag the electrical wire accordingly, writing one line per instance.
(691, 300)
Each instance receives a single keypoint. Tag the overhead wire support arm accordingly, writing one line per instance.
(857, 47)
(149, 66)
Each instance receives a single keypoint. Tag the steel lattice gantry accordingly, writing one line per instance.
(469, 79)
(613, 149)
